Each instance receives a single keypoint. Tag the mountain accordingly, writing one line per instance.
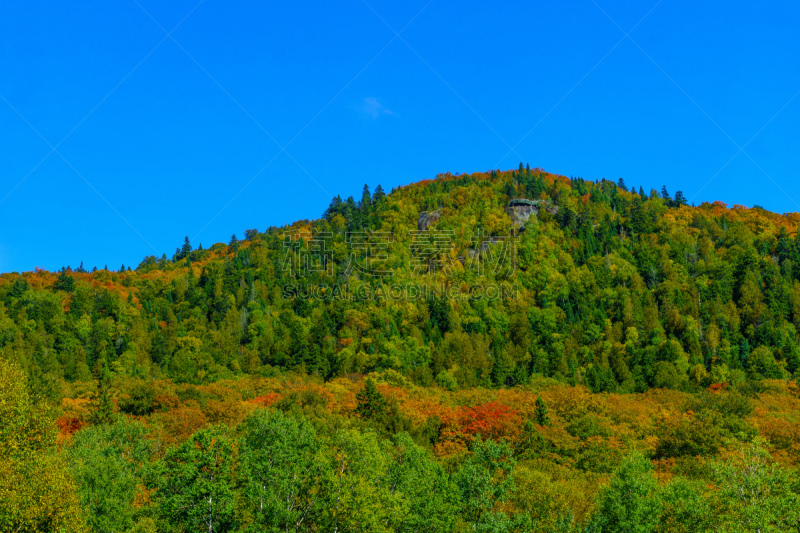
(511, 351)
(480, 279)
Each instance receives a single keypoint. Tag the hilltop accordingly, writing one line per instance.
(511, 351)
(482, 279)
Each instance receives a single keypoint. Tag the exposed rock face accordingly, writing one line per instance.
(427, 220)
(521, 209)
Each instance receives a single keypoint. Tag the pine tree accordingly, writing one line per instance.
(371, 403)
(621, 184)
(187, 247)
(101, 408)
(64, 282)
(744, 352)
(366, 199)
(542, 418)
(378, 195)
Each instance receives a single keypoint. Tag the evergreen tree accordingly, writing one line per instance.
(371, 403)
(366, 199)
(186, 248)
(101, 408)
(621, 184)
(64, 282)
(378, 195)
(744, 353)
(542, 418)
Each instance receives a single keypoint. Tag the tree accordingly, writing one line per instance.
(102, 406)
(139, 400)
(37, 493)
(282, 471)
(432, 496)
(358, 492)
(485, 482)
(194, 483)
(621, 184)
(107, 463)
(186, 249)
(542, 417)
(234, 242)
(371, 403)
(378, 196)
(64, 282)
(758, 494)
(366, 199)
(680, 199)
(664, 193)
(631, 503)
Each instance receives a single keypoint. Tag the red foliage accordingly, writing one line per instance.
(492, 420)
(67, 425)
(266, 400)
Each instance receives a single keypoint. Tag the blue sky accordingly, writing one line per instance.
(171, 120)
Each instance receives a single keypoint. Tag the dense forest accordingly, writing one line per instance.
(509, 351)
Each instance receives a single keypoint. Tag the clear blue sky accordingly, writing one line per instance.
(160, 134)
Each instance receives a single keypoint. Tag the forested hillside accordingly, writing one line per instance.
(501, 351)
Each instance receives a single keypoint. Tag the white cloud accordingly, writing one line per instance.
(373, 109)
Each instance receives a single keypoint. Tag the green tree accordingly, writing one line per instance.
(186, 249)
(485, 482)
(37, 493)
(64, 282)
(282, 471)
(366, 199)
(194, 483)
(359, 495)
(378, 195)
(101, 408)
(432, 497)
(758, 495)
(371, 403)
(542, 418)
(631, 503)
(107, 464)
